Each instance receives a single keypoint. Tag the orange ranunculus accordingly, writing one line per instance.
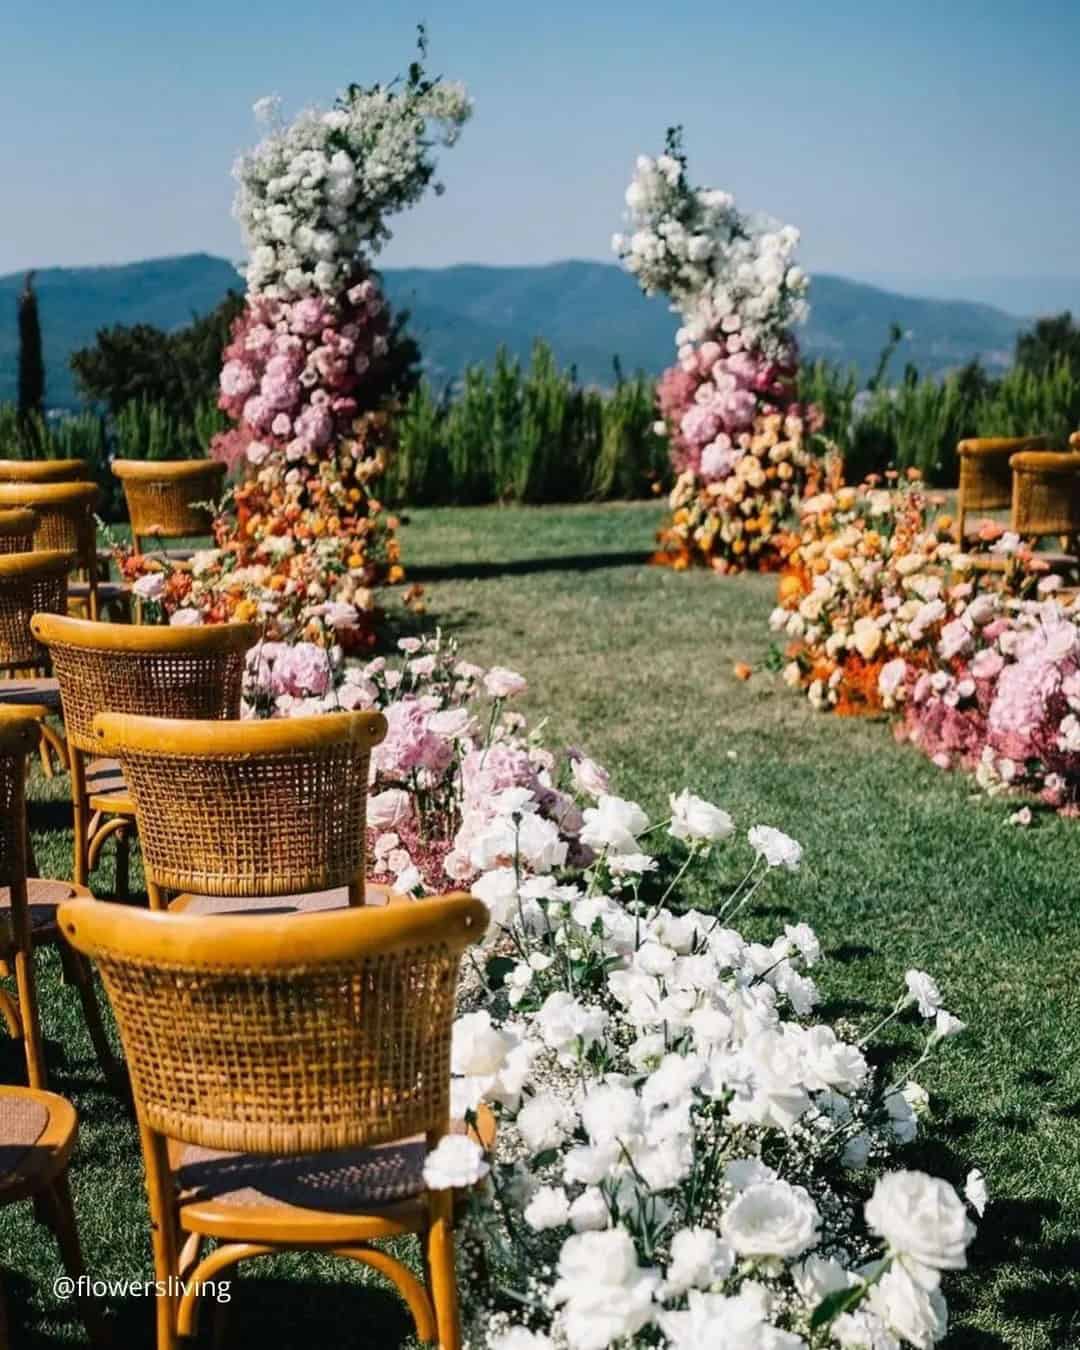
(743, 671)
(395, 574)
(245, 610)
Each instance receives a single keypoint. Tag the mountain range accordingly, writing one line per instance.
(589, 312)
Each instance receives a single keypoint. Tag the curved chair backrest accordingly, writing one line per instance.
(18, 737)
(44, 471)
(65, 514)
(248, 808)
(30, 583)
(155, 671)
(17, 528)
(985, 476)
(161, 495)
(1046, 493)
(275, 1034)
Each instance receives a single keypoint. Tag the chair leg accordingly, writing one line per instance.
(31, 1023)
(46, 757)
(164, 1235)
(78, 971)
(440, 1255)
(59, 1214)
(123, 865)
(81, 811)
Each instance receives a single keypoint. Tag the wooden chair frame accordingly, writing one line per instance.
(1046, 495)
(161, 496)
(191, 1000)
(30, 582)
(248, 809)
(124, 668)
(18, 738)
(44, 471)
(66, 522)
(42, 1176)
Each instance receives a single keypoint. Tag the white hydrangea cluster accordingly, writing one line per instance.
(314, 195)
(684, 1155)
(725, 271)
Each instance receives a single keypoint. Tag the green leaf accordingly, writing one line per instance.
(835, 1304)
(497, 969)
(544, 1159)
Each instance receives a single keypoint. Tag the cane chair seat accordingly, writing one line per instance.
(37, 1134)
(311, 903)
(106, 788)
(42, 899)
(41, 690)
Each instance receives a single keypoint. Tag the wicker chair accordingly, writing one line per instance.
(17, 531)
(28, 914)
(37, 1136)
(985, 477)
(251, 1041)
(248, 817)
(66, 521)
(44, 471)
(121, 668)
(31, 583)
(162, 497)
(1046, 495)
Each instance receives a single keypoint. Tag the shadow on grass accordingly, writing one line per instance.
(287, 1314)
(522, 567)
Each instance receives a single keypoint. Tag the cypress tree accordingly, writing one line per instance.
(31, 361)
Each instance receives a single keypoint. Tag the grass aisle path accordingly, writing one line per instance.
(904, 867)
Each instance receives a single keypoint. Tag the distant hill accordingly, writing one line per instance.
(588, 311)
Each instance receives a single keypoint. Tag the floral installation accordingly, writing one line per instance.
(859, 587)
(304, 542)
(682, 1148)
(742, 446)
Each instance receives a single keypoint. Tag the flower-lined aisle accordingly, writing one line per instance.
(685, 1155)
(743, 449)
(980, 669)
(309, 375)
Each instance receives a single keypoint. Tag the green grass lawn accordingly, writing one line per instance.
(905, 866)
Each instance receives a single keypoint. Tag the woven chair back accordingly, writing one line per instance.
(163, 496)
(65, 514)
(248, 808)
(1046, 494)
(44, 471)
(17, 530)
(155, 671)
(271, 1034)
(18, 737)
(29, 583)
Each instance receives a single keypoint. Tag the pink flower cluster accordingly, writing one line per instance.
(1004, 699)
(710, 399)
(291, 372)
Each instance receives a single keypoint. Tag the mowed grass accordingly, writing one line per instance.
(905, 866)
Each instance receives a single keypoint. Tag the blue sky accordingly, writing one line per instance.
(930, 140)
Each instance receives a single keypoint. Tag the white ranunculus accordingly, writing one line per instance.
(773, 1219)
(695, 821)
(613, 823)
(565, 1025)
(611, 1113)
(605, 1293)
(456, 1161)
(778, 849)
(922, 1220)
(149, 587)
(503, 683)
(185, 617)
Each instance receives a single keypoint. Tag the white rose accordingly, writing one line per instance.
(777, 848)
(613, 823)
(914, 1313)
(544, 1122)
(477, 1047)
(589, 1212)
(698, 1259)
(774, 1219)
(922, 1220)
(387, 809)
(923, 990)
(607, 1295)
